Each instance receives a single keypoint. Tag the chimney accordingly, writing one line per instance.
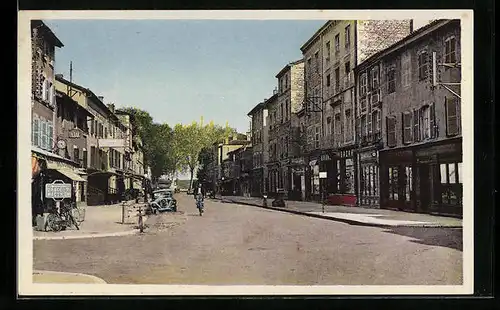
(111, 107)
(101, 98)
(411, 26)
(59, 75)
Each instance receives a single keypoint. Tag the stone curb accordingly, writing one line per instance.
(332, 218)
(48, 273)
(98, 235)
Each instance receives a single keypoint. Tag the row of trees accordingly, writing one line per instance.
(168, 150)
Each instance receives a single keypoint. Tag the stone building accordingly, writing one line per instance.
(330, 56)
(290, 99)
(43, 115)
(259, 129)
(411, 126)
(275, 179)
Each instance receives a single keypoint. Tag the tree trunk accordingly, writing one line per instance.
(191, 170)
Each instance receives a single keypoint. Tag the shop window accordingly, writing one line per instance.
(451, 183)
(349, 176)
(408, 183)
(393, 183)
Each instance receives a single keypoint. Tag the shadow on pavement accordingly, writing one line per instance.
(434, 236)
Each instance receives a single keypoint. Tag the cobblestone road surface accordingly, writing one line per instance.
(234, 244)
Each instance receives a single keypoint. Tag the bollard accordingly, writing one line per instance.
(141, 224)
(264, 201)
(123, 212)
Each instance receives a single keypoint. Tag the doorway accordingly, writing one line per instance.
(425, 189)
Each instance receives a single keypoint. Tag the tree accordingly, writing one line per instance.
(156, 140)
(190, 140)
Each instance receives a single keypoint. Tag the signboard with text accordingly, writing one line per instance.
(58, 190)
(111, 143)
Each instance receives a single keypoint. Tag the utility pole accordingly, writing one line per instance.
(71, 71)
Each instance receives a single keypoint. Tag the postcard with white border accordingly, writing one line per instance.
(245, 152)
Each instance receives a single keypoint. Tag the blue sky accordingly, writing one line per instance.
(180, 70)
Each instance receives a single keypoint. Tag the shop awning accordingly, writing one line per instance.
(70, 174)
(65, 171)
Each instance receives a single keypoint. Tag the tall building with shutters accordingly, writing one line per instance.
(410, 143)
(329, 104)
(43, 114)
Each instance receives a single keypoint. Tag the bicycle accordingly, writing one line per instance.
(61, 218)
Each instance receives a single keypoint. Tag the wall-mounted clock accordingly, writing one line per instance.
(61, 144)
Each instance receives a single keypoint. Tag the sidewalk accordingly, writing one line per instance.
(43, 276)
(100, 221)
(354, 215)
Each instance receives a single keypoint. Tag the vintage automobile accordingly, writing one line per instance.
(163, 200)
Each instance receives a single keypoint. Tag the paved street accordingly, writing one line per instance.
(235, 244)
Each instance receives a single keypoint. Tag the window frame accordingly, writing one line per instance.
(456, 116)
(406, 70)
(453, 51)
(391, 79)
(423, 67)
(407, 128)
(363, 84)
(391, 132)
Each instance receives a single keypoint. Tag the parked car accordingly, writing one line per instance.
(163, 200)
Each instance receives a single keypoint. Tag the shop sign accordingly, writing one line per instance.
(74, 133)
(368, 155)
(325, 157)
(297, 161)
(323, 175)
(58, 190)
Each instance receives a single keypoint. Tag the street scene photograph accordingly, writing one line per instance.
(255, 152)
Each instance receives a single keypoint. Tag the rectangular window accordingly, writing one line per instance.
(408, 183)
(347, 68)
(423, 65)
(432, 121)
(348, 124)
(337, 79)
(406, 70)
(363, 105)
(316, 137)
(328, 80)
(347, 37)
(36, 131)
(327, 51)
(416, 125)
(362, 89)
(391, 131)
(391, 80)
(450, 50)
(407, 127)
(452, 116)
(375, 77)
(316, 61)
(363, 126)
(338, 128)
(337, 43)
(76, 154)
(328, 125)
(425, 126)
(84, 161)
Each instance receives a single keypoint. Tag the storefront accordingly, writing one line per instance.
(48, 167)
(427, 178)
(257, 181)
(368, 192)
(274, 177)
(297, 186)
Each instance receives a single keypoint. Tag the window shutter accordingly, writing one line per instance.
(391, 131)
(369, 124)
(432, 121)
(36, 131)
(407, 127)
(43, 134)
(416, 125)
(451, 116)
(50, 135)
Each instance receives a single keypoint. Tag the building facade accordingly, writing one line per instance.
(259, 129)
(290, 99)
(329, 109)
(43, 115)
(421, 158)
